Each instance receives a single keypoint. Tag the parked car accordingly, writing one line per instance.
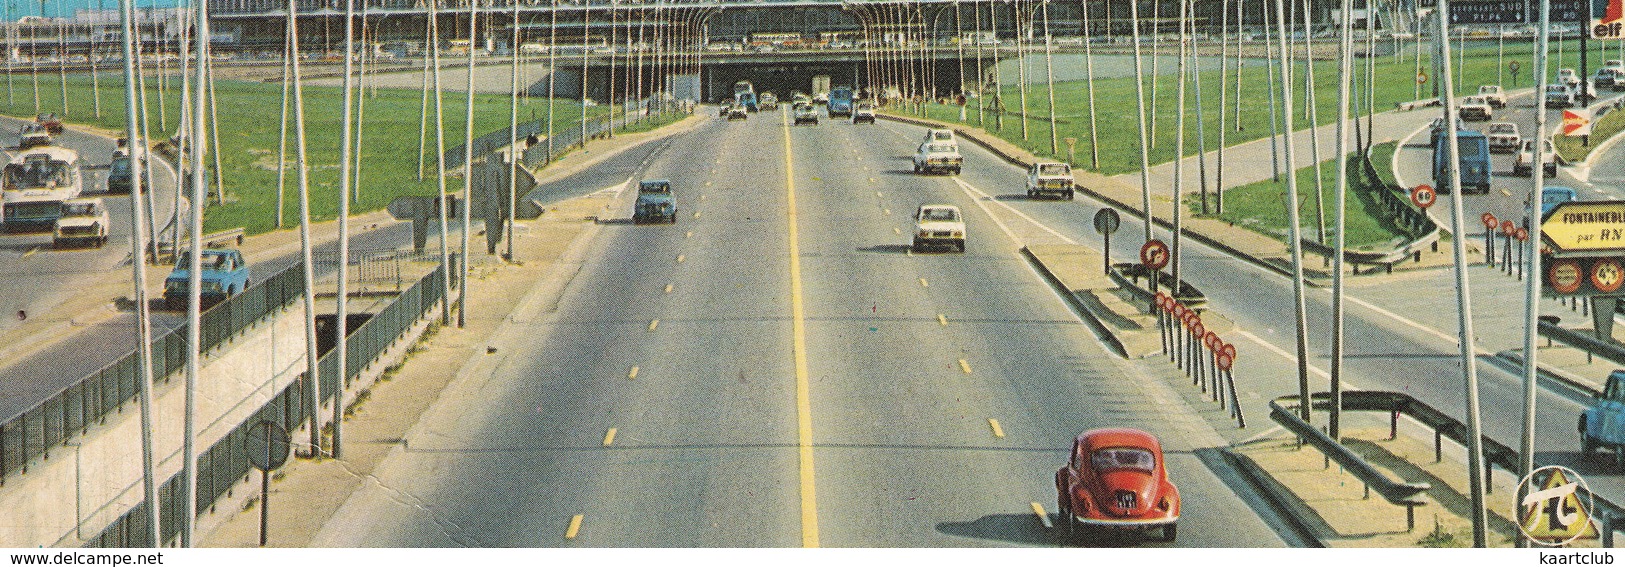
(1117, 479)
(806, 113)
(655, 202)
(83, 222)
(1493, 95)
(1559, 96)
(33, 136)
(1503, 137)
(1050, 178)
(938, 157)
(1524, 165)
(50, 122)
(225, 274)
(863, 113)
(1552, 195)
(1475, 108)
(938, 225)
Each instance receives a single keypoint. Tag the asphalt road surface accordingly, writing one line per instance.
(779, 321)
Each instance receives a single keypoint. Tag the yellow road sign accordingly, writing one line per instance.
(1586, 225)
(1554, 513)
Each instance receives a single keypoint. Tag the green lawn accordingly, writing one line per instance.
(1571, 148)
(249, 112)
(1260, 207)
(1118, 127)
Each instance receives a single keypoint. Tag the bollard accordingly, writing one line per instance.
(1607, 528)
(1438, 447)
(1489, 247)
(1393, 425)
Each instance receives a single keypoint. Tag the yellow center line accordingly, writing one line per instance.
(633, 374)
(924, 283)
(964, 365)
(878, 194)
(609, 438)
(696, 214)
(997, 431)
(943, 319)
(798, 338)
(702, 196)
(689, 234)
(668, 288)
(887, 211)
(1043, 517)
(680, 258)
(654, 323)
(896, 230)
(31, 251)
(575, 526)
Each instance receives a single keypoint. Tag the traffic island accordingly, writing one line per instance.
(1115, 304)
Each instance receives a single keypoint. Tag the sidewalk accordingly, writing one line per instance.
(306, 493)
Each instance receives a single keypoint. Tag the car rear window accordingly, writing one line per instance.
(1123, 458)
(1053, 169)
(940, 215)
(941, 148)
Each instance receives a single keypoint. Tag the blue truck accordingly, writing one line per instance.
(225, 274)
(745, 95)
(655, 202)
(1474, 167)
(840, 101)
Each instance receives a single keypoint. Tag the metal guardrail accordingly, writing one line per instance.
(71, 411)
(1586, 341)
(1400, 493)
(1395, 202)
(224, 463)
(1127, 276)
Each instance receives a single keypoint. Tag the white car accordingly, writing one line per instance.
(1524, 165)
(1568, 77)
(1559, 96)
(938, 157)
(1503, 136)
(938, 225)
(1050, 178)
(1475, 108)
(83, 222)
(1493, 95)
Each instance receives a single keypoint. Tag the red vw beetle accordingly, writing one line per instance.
(1115, 479)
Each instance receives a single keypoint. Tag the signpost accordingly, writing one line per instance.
(1107, 221)
(1489, 237)
(1513, 66)
(1577, 123)
(266, 445)
(1585, 226)
(1154, 256)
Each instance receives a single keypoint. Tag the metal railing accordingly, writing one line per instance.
(71, 411)
(225, 463)
(1395, 492)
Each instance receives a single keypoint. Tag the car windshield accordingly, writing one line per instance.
(1474, 100)
(1502, 128)
(1123, 458)
(1054, 169)
(210, 262)
(1554, 195)
(942, 135)
(78, 209)
(939, 215)
(940, 148)
(654, 187)
(120, 165)
(1556, 89)
(35, 173)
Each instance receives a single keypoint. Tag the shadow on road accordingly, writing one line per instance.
(1025, 529)
(887, 248)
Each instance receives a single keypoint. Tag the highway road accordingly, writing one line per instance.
(784, 308)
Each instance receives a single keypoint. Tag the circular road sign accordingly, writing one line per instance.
(1565, 276)
(1212, 341)
(1154, 254)
(1107, 221)
(1424, 196)
(266, 445)
(1607, 275)
(1228, 350)
(1508, 228)
(1513, 65)
(1224, 359)
(1521, 234)
(1421, 78)
(1198, 329)
(1489, 220)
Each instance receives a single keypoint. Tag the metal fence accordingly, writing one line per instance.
(70, 412)
(225, 463)
(563, 139)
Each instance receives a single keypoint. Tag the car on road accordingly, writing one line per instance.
(1494, 95)
(1568, 77)
(33, 136)
(768, 101)
(932, 157)
(225, 274)
(1049, 178)
(737, 112)
(83, 222)
(655, 202)
(1559, 96)
(806, 113)
(1552, 195)
(50, 122)
(938, 225)
(1503, 137)
(1524, 165)
(863, 113)
(1475, 108)
(1116, 478)
(1605, 77)
(118, 175)
(1602, 426)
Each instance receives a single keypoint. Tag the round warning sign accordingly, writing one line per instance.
(1198, 329)
(1421, 78)
(1224, 358)
(1606, 275)
(1513, 65)
(1154, 254)
(1521, 234)
(1564, 276)
(1212, 341)
(1424, 196)
(1489, 220)
(1228, 350)
(1508, 228)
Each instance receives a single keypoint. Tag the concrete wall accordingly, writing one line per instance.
(84, 486)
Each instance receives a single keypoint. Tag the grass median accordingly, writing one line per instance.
(1260, 206)
(1573, 149)
(248, 113)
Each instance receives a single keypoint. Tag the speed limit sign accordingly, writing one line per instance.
(1424, 196)
(1607, 275)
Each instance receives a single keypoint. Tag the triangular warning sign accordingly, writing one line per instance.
(1576, 124)
(1554, 513)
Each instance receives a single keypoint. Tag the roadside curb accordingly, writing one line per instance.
(1560, 378)
(1078, 306)
(1285, 504)
(1013, 159)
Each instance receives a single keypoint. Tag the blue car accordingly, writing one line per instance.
(1552, 196)
(225, 274)
(655, 202)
